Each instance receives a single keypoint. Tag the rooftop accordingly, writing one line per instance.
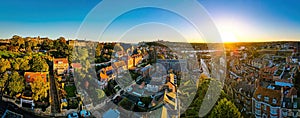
(260, 94)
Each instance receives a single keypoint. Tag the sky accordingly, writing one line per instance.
(236, 20)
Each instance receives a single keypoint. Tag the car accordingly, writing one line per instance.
(73, 115)
(85, 114)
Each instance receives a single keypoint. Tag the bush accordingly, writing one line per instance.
(71, 90)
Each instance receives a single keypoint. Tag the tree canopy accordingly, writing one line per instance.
(4, 65)
(16, 83)
(39, 88)
(225, 109)
(39, 64)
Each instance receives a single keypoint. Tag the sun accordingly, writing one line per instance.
(228, 37)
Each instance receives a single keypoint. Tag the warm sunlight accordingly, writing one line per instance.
(228, 37)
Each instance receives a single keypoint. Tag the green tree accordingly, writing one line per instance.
(24, 66)
(4, 79)
(100, 93)
(98, 49)
(16, 63)
(82, 54)
(62, 48)
(17, 40)
(4, 65)
(39, 88)
(16, 83)
(225, 109)
(32, 44)
(39, 64)
(47, 44)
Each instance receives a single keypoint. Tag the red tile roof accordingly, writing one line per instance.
(31, 76)
(76, 65)
(56, 60)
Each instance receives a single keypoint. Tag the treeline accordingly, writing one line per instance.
(28, 54)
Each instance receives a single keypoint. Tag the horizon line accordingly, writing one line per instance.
(283, 40)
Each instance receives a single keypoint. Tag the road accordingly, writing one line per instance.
(53, 92)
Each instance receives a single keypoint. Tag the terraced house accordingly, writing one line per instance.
(60, 65)
(266, 103)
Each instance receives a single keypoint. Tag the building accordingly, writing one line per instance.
(79, 43)
(10, 114)
(4, 42)
(119, 66)
(32, 76)
(174, 64)
(137, 58)
(60, 65)
(268, 72)
(290, 106)
(243, 95)
(266, 103)
(166, 102)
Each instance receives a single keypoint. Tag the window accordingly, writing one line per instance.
(264, 116)
(266, 99)
(295, 114)
(265, 107)
(295, 105)
(258, 96)
(257, 105)
(274, 111)
(284, 113)
(257, 112)
(274, 101)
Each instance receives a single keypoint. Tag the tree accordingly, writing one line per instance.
(225, 109)
(16, 63)
(39, 64)
(82, 54)
(4, 65)
(98, 49)
(16, 83)
(47, 44)
(24, 66)
(100, 93)
(31, 44)
(62, 48)
(4, 79)
(39, 88)
(17, 40)
(70, 54)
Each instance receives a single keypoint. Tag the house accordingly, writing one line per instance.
(268, 72)
(119, 66)
(243, 95)
(167, 102)
(60, 65)
(137, 58)
(266, 103)
(32, 76)
(290, 106)
(79, 43)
